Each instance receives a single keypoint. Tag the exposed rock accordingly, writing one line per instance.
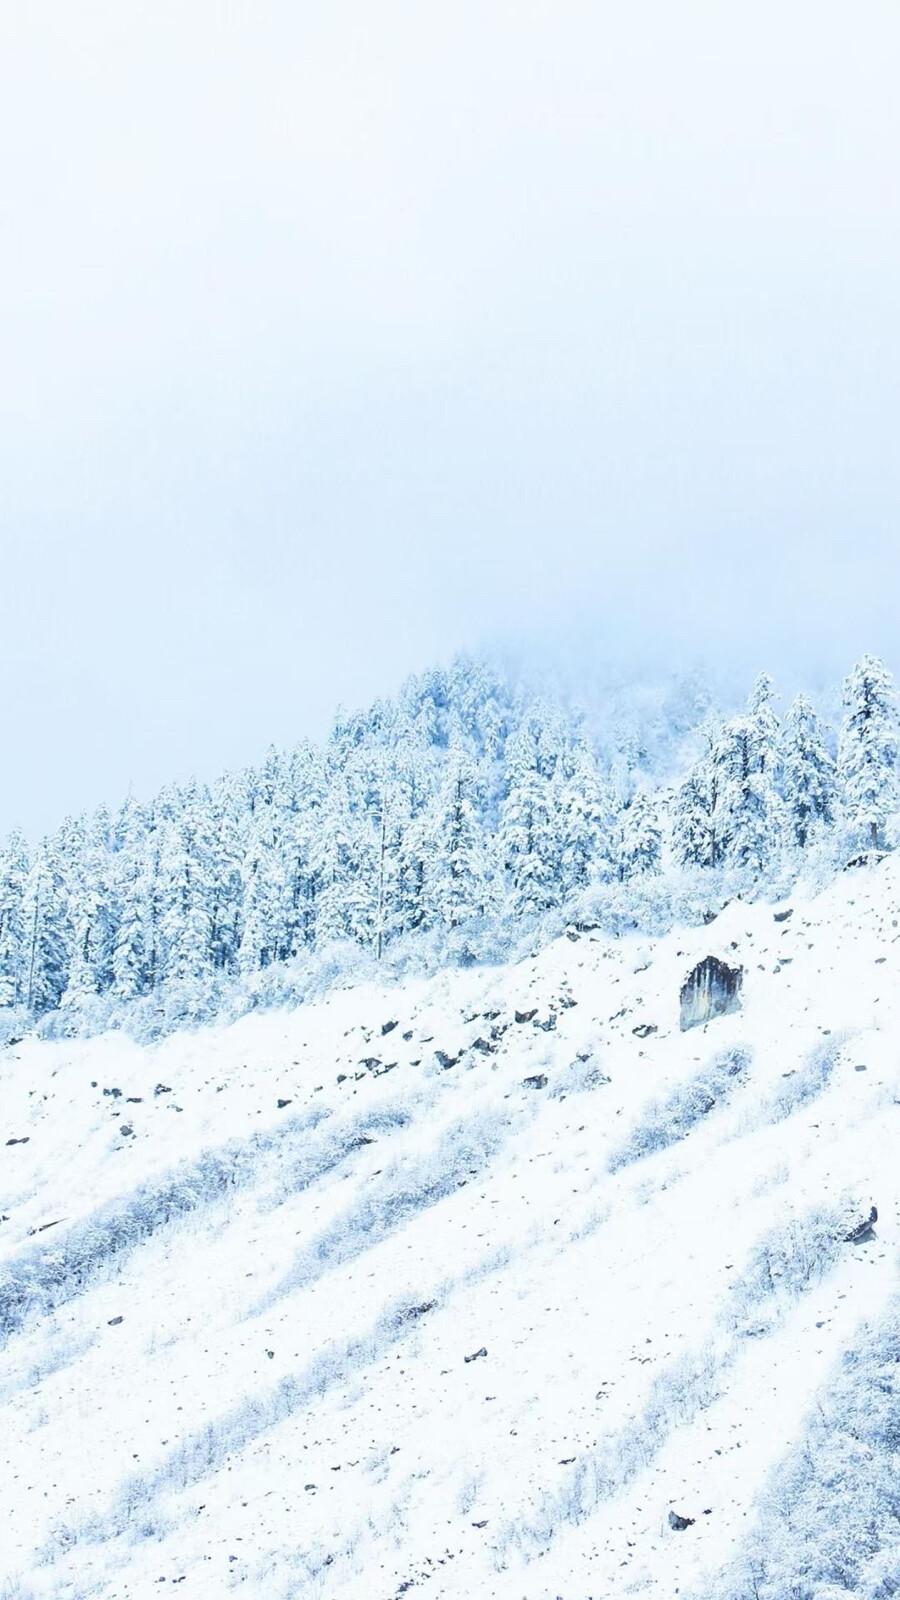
(477, 1356)
(644, 1030)
(161, 1088)
(113, 1322)
(388, 1027)
(711, 990)
(526, 1016)
(445, 1061)
(783, 916)
(413, 1312)
(549, 1025)
(537, 1081)
(862, 1230)
(115, 1093)
(486, 1048)
(370, 1062)
(282, 1103)
(19, 1141)
(678, 1522)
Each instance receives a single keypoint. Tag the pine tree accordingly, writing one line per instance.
(640, 849)
(13, 878)
(808, 773)
(44, 973)
(748, 812)
(868, 751)
(695, 839)
(457, 872)
(530, 837)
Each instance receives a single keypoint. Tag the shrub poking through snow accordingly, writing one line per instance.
(668, 1120)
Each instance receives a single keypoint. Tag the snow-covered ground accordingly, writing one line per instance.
(402, 1292)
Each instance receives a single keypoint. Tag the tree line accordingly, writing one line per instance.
(467, 802)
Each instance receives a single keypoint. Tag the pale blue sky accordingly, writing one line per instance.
(335, 337)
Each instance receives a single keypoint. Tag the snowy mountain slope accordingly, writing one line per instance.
(454, 1317)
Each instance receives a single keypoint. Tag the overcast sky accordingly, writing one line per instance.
(337, 336)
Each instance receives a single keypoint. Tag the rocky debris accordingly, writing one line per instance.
(115, 1093)
(783, 916)
(526, 1016)
(445, 1061)
(161, 1088)
(408, 1036)
(498, 1030)
(370, 1062)
(135, 1100)
(282, 1103)
(113, 1322)
(19, 1141)
(549, 1025)
(712, 990)
(413, 1312)
(480, 1524)
(644, 1030)
(387, 1027)
(379, 1072)
(679, 1523)
(538, 1080)
(477, 1355)
(862, 1230)
(126, 1130)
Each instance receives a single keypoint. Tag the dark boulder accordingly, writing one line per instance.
(862, 1230)
(678, 1522)
(713, 989)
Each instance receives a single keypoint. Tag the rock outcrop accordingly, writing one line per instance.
(713, 989)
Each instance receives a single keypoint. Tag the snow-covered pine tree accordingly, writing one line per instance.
(457, 882)
(695, 839)
(868, 750)
(13, 877)
(530, 839)
(808, 773)
(748, 811)
(589, 819)
(640, 846)
(766, 751)
(44, 973)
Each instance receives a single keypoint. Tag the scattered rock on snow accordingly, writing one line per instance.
(526, 1016)
(644, 1029)
(783, 916)
(537, 1081)
(477, 1356)
(445, 1061)
(388, 1027)
(282, 1103)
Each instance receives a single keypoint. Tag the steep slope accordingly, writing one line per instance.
(459, 1286)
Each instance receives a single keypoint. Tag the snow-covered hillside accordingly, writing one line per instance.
(461, 1287)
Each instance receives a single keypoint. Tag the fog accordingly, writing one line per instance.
(337, 338)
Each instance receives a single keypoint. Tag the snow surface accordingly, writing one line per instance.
(236, 1335)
